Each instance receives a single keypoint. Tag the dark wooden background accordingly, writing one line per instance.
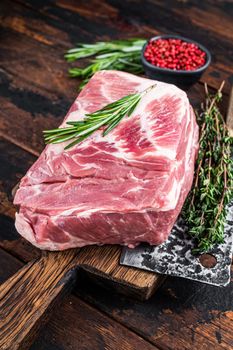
(35, 94)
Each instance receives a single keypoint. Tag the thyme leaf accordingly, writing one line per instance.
(205, 207)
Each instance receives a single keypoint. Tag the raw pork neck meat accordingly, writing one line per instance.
(125, 188)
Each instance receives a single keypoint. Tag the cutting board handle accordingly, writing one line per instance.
(26, 297)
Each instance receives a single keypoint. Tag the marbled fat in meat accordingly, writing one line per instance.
(125, 188)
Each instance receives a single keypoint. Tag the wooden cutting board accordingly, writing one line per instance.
(27, 298)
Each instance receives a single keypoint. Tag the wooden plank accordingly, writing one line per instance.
(203, 15)
(195, 10)
(166, 20)
(46, 68)
(103, 264)
(29, 25)
(76, 324)
(28, 106)
(26, 299)
(77, 23)
(14, 164)
(180, 310)
(18, 247)
(38, 100)
(8, 269)
(181, 315)
(142, 24)
(190, 322)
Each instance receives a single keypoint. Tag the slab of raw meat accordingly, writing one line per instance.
(125, 188)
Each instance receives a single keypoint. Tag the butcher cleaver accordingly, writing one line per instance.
(174, 257)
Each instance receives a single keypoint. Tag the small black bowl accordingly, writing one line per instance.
(181, 78)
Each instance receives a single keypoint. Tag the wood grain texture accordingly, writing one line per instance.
(75, 324)
(14, 163)
(86, 328)
(104, 262)
(33, 111)
(28, 296)
(181, 315)
(145, 20)
(8, 269)
(179, 311)
(43, 81)
(27, 22)
(35, 94)
(26, 299)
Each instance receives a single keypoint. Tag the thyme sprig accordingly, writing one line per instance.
(117, 54)
(107, 118)
(205, 207)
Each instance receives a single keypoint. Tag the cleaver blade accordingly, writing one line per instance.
(174, 257)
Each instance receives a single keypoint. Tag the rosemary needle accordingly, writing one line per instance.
(107, 117)
(104, 47)
(122, 55)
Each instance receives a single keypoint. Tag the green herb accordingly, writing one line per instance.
(119, 55)
(205, 207)
(87, 50)
(108, 117)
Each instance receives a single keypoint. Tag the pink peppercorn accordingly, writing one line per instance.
(174, 54)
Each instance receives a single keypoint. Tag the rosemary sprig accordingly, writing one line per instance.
(118, 55)
(129, 62)
(205, 207)
(108, 118)
(87, 50)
